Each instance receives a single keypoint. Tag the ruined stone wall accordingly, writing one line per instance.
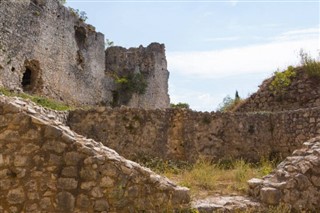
(185, 135)
(151, 64)
(295, 182)
(46, 49)
(303, 92)
(45, 167)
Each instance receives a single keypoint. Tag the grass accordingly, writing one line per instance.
(44, 102)
(204, 178)
(310, 65)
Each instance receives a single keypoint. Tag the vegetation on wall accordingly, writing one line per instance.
(82, 15)
(126, 86)
(108, 43)
(282, 80)
(41, 101)
(180, 105)
(310, 65)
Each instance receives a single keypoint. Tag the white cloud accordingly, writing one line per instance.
(231, 38)
(299, 34)
(200, 101)
(234, 2)
(278, 53)
(259, 60)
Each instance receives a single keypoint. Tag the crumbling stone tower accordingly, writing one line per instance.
(46, 49)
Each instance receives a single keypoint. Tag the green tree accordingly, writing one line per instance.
(229, 104)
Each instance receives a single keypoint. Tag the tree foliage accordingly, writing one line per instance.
(180, 105)
(228, 104)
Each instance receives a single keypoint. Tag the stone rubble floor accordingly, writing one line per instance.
(224, 204)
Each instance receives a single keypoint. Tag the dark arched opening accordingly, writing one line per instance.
(26, 80)
(31, 81)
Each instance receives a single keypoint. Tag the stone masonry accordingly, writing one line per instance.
(46, 49)
(295, 182)
(46, 167)
(185, 135)
(151, 63)
(303, 92)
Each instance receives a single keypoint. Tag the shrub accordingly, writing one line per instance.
(126, 86)
(180, 105)
(79, 14)
(310, 65)
(282, 80)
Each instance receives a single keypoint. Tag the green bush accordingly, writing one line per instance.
(180, 105)
(310, 65)
(282, 80)
(133, 83)
(126, 86)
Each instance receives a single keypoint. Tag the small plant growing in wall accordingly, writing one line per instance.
(282, 80)
(108, 43)
(180, 105)
(79, 14)
(310, 65)
(127, 85)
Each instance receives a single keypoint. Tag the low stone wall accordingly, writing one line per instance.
(185, 135)
(295, 182)
(45, 167)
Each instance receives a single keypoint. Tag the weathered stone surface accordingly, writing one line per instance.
(185, 135)
(47, 174)
(151, 63)
(225, 204)
(65, 201)
(270, 195)
(303, 92)
(299, 187)
(16, 196)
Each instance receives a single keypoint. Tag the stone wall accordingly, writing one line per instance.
(303, 92)
(63, 55)
(185, 135)
(45, 167)
(46, 49)
(295, 182)
(150, 62)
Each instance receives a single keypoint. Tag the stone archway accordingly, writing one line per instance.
(31, 81)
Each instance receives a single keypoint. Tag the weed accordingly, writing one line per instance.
(225, 177)
(310, 65)
(180, 105)
(44, 102)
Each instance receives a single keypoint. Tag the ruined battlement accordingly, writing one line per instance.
(48, 50)
(151, 64)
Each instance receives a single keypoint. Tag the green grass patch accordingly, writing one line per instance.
(41, 101)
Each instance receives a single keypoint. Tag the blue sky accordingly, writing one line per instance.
(213, 47)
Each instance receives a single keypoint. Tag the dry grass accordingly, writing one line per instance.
(204, 178)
